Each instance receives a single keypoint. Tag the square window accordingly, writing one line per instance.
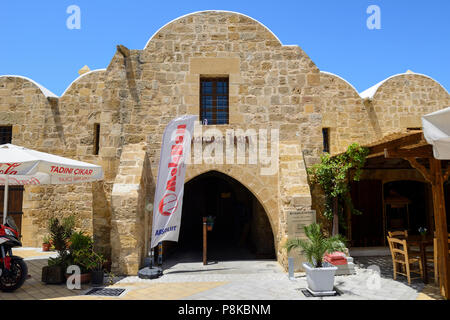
(214, 100)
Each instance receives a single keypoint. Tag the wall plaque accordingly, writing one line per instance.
(296, 220)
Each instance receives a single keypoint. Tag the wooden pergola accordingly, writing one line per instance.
(413, 148)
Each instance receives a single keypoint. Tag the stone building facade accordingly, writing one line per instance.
(271, 86)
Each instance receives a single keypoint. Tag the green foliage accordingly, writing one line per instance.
(87, 259)
(317, 245)
(79, 241)
(333, 175)
(82, 253)
(58, 238)
(46, 239)
(57, 234)
(61, 260)
(68, 224)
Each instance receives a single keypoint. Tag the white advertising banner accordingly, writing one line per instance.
(436, 130)
(168, 202)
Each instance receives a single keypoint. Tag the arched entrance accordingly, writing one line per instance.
(241, 228)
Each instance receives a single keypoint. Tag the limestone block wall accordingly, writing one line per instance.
(400, 101)
(130, 220)
(79, 109)
(344, 114)
(43, 122)
(271, 86)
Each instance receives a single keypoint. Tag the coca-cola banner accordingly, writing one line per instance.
(168, 200)
(23, 166)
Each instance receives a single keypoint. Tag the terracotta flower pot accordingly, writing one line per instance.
(46, 246)
(209, 227)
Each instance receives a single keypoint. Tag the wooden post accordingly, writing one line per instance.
(205, 241)
(440, 221)
(335, 230)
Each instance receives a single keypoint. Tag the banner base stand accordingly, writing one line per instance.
(150, 273)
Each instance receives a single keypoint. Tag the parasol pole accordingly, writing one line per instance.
(5, 199)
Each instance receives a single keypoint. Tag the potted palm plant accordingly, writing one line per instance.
(319, 274)
(53, 273)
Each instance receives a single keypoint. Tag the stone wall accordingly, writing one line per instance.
(271, 86)
(401, 100)
(43, 122)
(344, 113)
(130, 219)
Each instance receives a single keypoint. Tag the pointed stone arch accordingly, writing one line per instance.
(263, 188)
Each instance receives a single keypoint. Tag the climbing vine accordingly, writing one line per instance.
(334, 174)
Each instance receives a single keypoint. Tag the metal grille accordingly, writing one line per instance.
(214, 100)
(108, 292)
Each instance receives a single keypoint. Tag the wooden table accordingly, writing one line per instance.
(422, 243)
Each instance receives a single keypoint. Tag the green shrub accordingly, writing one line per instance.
(80, 241)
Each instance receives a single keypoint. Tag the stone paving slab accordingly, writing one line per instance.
(237, 280)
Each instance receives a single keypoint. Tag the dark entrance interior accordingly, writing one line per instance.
(241, 228)
(367, 228)
(407, 206)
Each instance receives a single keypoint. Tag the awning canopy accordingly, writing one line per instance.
(436, 130)
(24, 166)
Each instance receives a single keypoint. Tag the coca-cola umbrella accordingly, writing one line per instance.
(22, 166)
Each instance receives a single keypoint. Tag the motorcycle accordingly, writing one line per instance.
(13, 270)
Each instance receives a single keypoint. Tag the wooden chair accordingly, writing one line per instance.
(402, 259)
(398, 234)
(435, 258)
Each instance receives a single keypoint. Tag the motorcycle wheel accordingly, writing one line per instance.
(16, 277)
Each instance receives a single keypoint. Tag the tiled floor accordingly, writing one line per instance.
(239, 280)
(387, 272)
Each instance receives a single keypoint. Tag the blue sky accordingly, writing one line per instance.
(36, 43)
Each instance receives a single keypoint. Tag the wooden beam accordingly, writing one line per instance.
(440, 222)
(397, 143)
(425, 151)
(424, 171)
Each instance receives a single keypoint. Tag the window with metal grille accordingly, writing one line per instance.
(326, 139)
(214, 100)
(5, 134)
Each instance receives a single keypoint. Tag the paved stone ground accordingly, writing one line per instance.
(239, 280)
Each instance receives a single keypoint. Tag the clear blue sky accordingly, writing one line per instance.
(36, 43)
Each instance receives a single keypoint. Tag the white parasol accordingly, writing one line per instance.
(436, 130)
(22, 166)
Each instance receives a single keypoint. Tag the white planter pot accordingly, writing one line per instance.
(320, 280)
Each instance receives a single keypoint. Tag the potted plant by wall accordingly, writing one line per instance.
(319, 274)
(98, 272)
(210, 222)
(80, 251)
(83, 259)
(53, 273)
(46, 243)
